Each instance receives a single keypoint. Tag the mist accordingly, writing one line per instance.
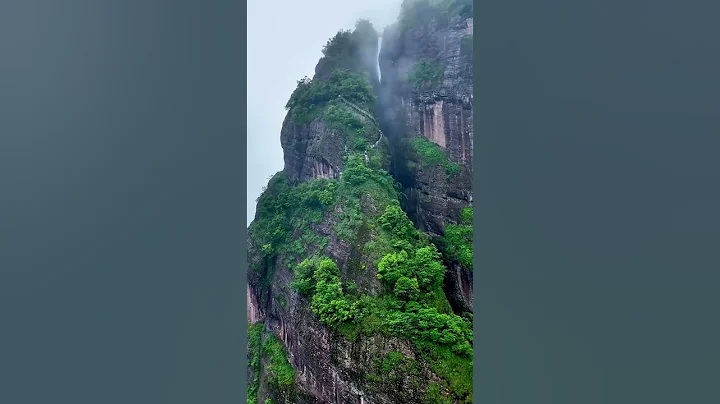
(284, 47)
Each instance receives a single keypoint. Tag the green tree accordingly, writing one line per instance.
(458, 244)
(356, 171)
(394, 266)
(303, 280)
(407, 288)
(329, 302)
(397, 223)
(430, 270)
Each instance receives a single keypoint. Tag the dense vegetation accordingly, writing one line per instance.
(357, 131)
(390, 256)
(279, 369)
(430, 154)
(281, 374)
(282, 208)
(458, 239)
(412, 304)
(349, 50)
(254, 353)
(312, 96)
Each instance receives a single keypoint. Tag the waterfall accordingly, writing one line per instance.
(377, 59)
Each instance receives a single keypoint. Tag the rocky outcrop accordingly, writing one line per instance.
(443, 115)
(329, 367)
(311, 150)
(459, 287)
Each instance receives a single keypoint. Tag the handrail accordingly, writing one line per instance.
(367, 115)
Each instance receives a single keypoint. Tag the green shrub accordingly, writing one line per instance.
(458, 241)
(339, 116)
(282, 208)
(391, 361)
(396, 222)
(351, 218)
(356, 171)
(344, 50)
(427, 325)
(252, 392)
(319, 279)
(303, 277)
(254, 344)
(424, 266)
(407, 288)
(272, 224)
(311, 97)
(394, 266)
(254, 353)
(466, 216)
(431, 155)
(414, 270)
(329, 302)
(339, 46)
(435, 395)
(456, 371)
(430, 270)
(281, 372)
(317, 194)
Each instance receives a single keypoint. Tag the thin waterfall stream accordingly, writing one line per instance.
(377, 59)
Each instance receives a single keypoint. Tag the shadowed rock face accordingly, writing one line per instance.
(311, 150)
(442, 115)
(329, 368)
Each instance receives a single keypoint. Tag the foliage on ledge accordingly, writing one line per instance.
(457, 243)
(312, 95)
(430, 154)
(280, 372)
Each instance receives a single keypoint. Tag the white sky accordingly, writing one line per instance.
(284, 42)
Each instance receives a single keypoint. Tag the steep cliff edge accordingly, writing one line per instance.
(426, 102)
(349, 299)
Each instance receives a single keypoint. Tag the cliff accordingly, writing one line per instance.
(360, 256)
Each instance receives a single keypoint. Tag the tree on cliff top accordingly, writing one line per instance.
(346, 49)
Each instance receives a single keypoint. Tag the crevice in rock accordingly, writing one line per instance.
(391, 113)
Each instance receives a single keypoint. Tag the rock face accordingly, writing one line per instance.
(329, 366)
(441, 114)
(311, 150)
